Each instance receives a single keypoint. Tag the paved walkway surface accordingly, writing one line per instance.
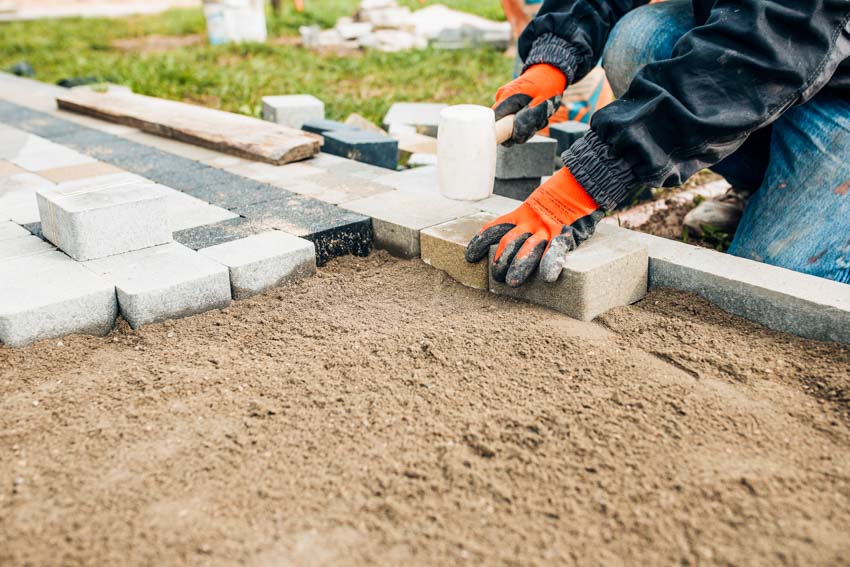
(210, 200)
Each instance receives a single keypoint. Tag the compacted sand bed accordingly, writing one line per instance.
(379, 412)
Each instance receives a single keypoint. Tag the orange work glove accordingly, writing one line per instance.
(557, 217)
(534, 96)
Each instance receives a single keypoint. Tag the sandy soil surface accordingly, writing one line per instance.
(381, 413)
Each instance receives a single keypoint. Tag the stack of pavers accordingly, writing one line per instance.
(520, 168)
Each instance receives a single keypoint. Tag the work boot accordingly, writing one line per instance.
(721, 214)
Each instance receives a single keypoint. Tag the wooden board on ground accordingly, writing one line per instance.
(235, 134)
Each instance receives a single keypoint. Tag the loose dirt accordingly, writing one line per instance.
(380, 413)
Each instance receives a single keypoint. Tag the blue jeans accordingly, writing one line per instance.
(799, 167)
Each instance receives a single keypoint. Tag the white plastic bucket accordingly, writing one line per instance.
(235, 21)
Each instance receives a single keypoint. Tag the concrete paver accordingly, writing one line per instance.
(164, 282)
(606, 271)
(264, 261)
(106, 215)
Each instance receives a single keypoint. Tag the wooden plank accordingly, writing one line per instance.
(235, 134)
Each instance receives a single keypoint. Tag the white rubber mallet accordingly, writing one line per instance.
(466, 150)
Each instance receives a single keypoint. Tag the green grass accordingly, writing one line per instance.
(236, 77)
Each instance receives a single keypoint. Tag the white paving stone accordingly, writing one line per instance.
(38, 154)
(17, 197)
(185, 211)
(292, 110)
(9, 229)
(98, 217)
(398, 216)
(49, 295)
(23, 246)
(416, 180)
(263, 261)
(777, 298)
(164, 282)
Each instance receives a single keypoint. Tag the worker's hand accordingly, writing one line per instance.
(556, 218)
(534, 96)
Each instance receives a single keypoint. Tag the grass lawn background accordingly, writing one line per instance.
(235, 77)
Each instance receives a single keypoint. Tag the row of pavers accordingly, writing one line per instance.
(413, 218)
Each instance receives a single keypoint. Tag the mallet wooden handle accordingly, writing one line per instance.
(504, 128)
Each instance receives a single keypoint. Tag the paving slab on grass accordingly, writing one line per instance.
(780, 299)
(164, 282)
(443, 246)
(263, 261)
(607, 271)
(49, 295)
(292, 110)
(398, 216)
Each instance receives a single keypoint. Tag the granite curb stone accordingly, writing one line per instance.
(780, 299)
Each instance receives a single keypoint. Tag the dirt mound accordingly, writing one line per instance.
(381, 413)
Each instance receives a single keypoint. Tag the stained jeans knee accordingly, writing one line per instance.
(644, 35)
(800, 216)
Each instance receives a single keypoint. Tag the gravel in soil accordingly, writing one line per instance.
(380, 413)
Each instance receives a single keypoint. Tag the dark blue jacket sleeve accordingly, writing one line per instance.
(571, 34)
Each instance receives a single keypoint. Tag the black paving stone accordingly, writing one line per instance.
(354, 238)
(516, 188)
(334, 231)
(238, 192)
(367, 147)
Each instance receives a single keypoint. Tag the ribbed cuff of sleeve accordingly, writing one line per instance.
(555, 51)
(606, 177)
